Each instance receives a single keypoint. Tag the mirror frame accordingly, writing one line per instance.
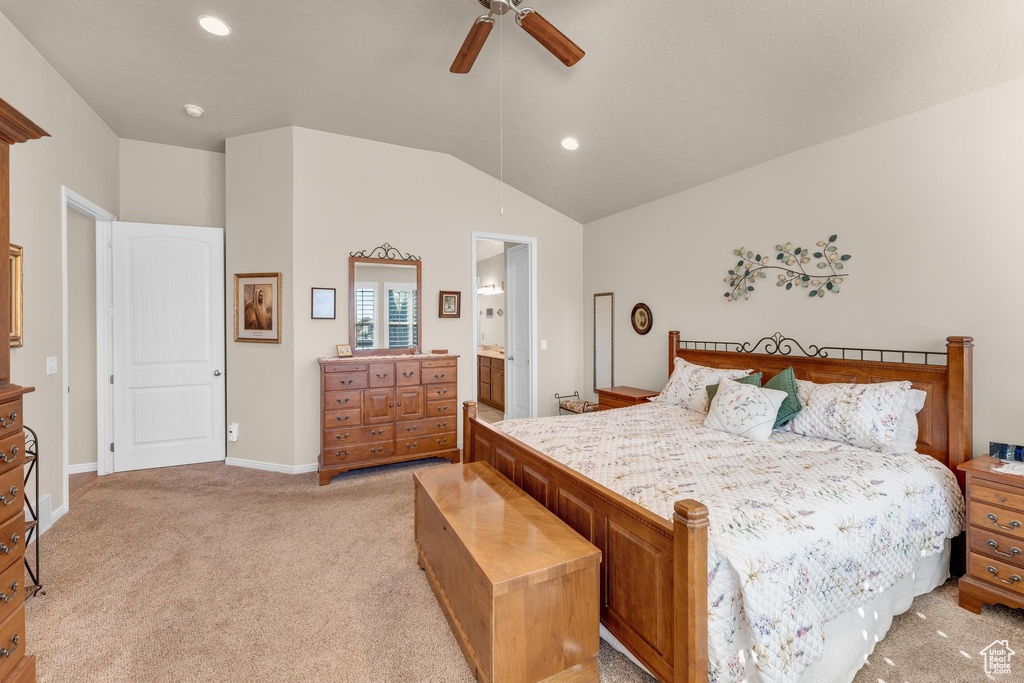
(384, 255)
(594, 322)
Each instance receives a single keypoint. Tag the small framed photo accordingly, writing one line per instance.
(323, 306)
(449, 305)
(258, 307)
(344, 350)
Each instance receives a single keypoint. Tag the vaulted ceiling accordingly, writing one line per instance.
(669, 96)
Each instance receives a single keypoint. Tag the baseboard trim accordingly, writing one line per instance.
(84, 467)
(271, 467)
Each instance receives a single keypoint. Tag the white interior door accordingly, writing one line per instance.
(519, 351)
(168, 332)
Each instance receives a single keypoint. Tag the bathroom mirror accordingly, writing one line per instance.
(384, 302)
(604, 340)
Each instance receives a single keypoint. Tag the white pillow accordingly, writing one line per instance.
(907, 429)
(861, 415)
(688, 384)
(744, 410)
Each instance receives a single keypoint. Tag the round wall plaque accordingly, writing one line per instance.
(642, 318)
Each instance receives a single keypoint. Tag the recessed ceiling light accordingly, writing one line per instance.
(194, 110)
(214, 25)
(571, 144)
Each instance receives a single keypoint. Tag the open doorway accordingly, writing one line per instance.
(504, 326)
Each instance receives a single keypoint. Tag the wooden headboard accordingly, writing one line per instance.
(946, 421)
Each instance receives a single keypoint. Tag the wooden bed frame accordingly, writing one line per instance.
(654, 573)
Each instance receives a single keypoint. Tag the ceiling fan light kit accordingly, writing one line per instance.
(553, 40)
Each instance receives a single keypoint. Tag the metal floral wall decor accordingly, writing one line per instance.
(791, 261)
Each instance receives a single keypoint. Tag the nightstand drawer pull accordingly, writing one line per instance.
(995, 548)
(995, 575)
(1014, 524)
(1003, 499)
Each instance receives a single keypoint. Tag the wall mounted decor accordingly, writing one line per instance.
(323, 303)
(642, 318)
(449, 304)
(17, 294)
(791, 261)
(258, 307)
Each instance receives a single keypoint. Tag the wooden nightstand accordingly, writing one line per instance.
(995, 537)
(622, 397)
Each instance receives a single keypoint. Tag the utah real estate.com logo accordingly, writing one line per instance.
(997, 657)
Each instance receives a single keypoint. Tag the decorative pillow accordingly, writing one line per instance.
(686, 385)
(907, 430)
(754, 379)
(861, 415)
(785, 381)
(745, 410)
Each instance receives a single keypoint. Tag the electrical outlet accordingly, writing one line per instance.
(51, 365)
(233, 431)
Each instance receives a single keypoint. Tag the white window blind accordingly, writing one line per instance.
(366, 315)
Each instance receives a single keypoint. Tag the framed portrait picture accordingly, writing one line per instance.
(258, 307)
(641, 318)
(344, 350)
(449, 305)
(323, 306)
(17, 254)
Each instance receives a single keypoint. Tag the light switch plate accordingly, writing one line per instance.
(51, 365)
(233, 431)
(543, 344)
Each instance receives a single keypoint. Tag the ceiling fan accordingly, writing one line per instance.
(537, 26)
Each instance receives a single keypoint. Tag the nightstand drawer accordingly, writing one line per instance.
(998, 547)
(996, 573)
(997, 496)
(998, 520)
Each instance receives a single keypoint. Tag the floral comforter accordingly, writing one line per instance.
(801, 530)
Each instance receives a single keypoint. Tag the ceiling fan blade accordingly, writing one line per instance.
(473, 44)
(550, 37)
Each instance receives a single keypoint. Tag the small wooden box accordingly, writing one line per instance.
(518, 586)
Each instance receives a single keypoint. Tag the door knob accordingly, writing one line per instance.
(510, 358)
(216, 373)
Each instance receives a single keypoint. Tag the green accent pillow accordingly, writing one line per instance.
(754, 379)
(785, 381)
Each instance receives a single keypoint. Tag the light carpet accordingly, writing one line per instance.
(216, 573)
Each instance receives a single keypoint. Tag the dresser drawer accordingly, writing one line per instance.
(345, 380)
(987, 494)
(407, 373)
(10, 418)
(439, 375)
(1005, 576)
(12, 451)
(998, 547)
(358, 453)
(342, 438)
(441, 392)
(382, 374)
(336, 419)
(12, 641)
(24, 672)
(12, 540)
(425, 444)
(12, 494)
(444, 363)
(991, 518)
(342, 400)
(12, 589)
(441, 408)
(346, 367)
(433, 425)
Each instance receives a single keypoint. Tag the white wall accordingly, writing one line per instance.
(172, 185)
(82, 154)
(492, 271)
(929, 206)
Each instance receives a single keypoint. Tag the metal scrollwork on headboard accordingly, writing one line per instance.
(781, 345)
(385, 251)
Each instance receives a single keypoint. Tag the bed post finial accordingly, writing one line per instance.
(960, 402)
(690, 591)
(673, 345)
(468, 415)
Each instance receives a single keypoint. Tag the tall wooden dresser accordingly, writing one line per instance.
(383, 409)
(15, 664)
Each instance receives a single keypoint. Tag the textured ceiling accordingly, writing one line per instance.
(670, 94)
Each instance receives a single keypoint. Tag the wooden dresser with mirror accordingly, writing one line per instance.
(15, 663)
(388, 402)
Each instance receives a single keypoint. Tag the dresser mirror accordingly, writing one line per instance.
(604, 340)
(384, 303)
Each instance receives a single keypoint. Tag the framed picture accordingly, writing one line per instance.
(323, 306)
(17, 254)
(258, 307)
(344, 350)
(641, 318)
(449, 305)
